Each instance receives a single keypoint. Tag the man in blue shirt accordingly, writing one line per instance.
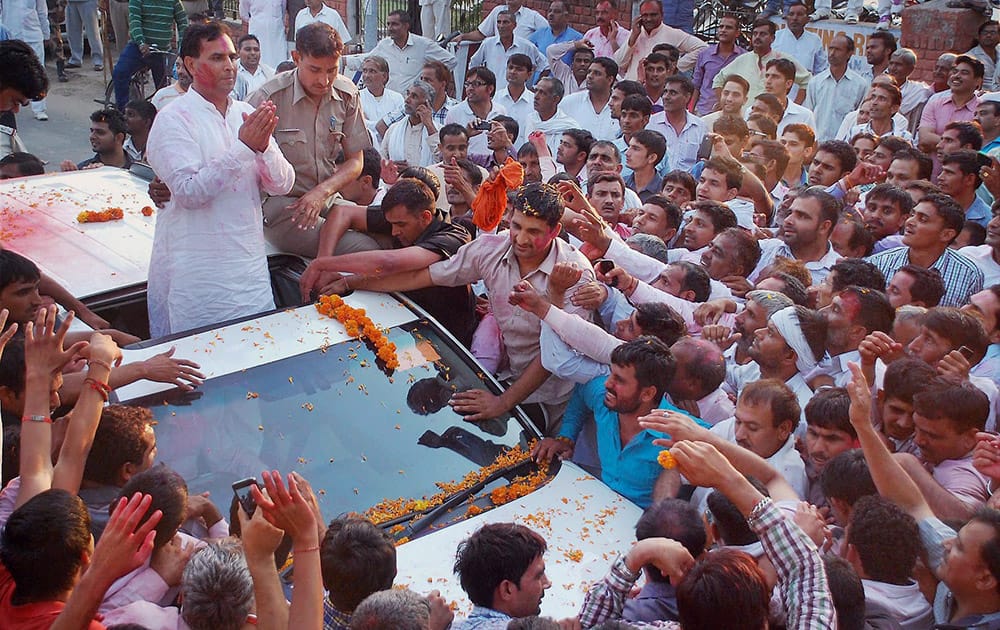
(557, 32)
(641, 370)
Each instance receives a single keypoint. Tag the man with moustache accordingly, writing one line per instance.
(641, 371)
(209, 237)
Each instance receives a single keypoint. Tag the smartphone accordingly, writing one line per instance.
(242, 491)
(705, 149)
(966, 352)
(605, 265)
(483, 125)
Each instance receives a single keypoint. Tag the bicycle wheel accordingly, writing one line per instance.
(109, 96)
(137, 85)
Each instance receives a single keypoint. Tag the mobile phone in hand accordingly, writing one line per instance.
(242, 491)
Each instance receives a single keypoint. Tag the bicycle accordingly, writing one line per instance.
(141, 80)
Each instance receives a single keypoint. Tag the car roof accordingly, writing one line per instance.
(269, 337)
(39, 221)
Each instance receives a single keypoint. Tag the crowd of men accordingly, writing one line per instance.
(784, 270)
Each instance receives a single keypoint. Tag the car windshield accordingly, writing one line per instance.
(357, 435)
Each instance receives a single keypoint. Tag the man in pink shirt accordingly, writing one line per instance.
(958, 103)
(947, 414)
(649, 32)
(608, 36)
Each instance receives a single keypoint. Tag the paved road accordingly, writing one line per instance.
(65, 134)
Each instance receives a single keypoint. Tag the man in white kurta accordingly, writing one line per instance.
(208, 262)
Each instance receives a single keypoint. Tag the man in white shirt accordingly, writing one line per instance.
(413, 141)
(986, 51)
(883, 544)
(796, 42)
(884, 100)
(318, 11)
(250, 72)
(786, 349)
(767, 416)
(779, 77)
(377, 100)
(836, 91)
(516, 98)
(683, 130)
(915, 93)
(406, 53)
(209, 237)
(592, 108)
(494, 51)
(987, 256)
(547, 118)
(168, 94)
(478, 107)
(805, 235)
(27, 20)
(528, 21)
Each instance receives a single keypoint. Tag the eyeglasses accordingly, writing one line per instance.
(754, 132)
(474, 84)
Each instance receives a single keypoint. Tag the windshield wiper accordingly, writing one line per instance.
(430, 515)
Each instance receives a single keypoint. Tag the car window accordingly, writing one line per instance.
(357, 434)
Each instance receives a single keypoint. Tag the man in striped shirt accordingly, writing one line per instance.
(933, 225)
(151, 27)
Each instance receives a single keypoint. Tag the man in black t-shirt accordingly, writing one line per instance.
(422, 235)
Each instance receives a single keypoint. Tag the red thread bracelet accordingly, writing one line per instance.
(101, 388)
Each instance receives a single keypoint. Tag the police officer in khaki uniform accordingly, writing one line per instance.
(319, 113)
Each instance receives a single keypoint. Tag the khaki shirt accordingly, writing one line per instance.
(310, 137)
(491, 258)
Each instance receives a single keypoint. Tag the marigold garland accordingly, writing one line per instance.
(389, 509)
(359, 325)
(100, 216)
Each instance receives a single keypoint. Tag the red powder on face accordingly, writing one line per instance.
(851, 305)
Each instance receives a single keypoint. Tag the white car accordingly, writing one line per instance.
(104, 264)
(289, 390)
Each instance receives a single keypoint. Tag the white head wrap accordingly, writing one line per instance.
(787, 323)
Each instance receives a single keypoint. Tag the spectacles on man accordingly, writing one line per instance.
(474, 84)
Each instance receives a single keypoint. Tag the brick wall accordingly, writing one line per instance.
(933, 28)
(581, 12)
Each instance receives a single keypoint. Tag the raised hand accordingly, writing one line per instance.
(43, 345)
(125, 544)
(285, 508)
(258, 126)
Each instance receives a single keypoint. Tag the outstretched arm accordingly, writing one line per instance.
(890, 478)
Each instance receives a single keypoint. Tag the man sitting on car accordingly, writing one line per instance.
(422, 235)
(528, 252)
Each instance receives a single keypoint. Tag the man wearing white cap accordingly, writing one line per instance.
(790, 346)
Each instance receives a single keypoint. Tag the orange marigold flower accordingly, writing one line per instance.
(357, 324)
(147, 211)
(100, 216)
(666, 459)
